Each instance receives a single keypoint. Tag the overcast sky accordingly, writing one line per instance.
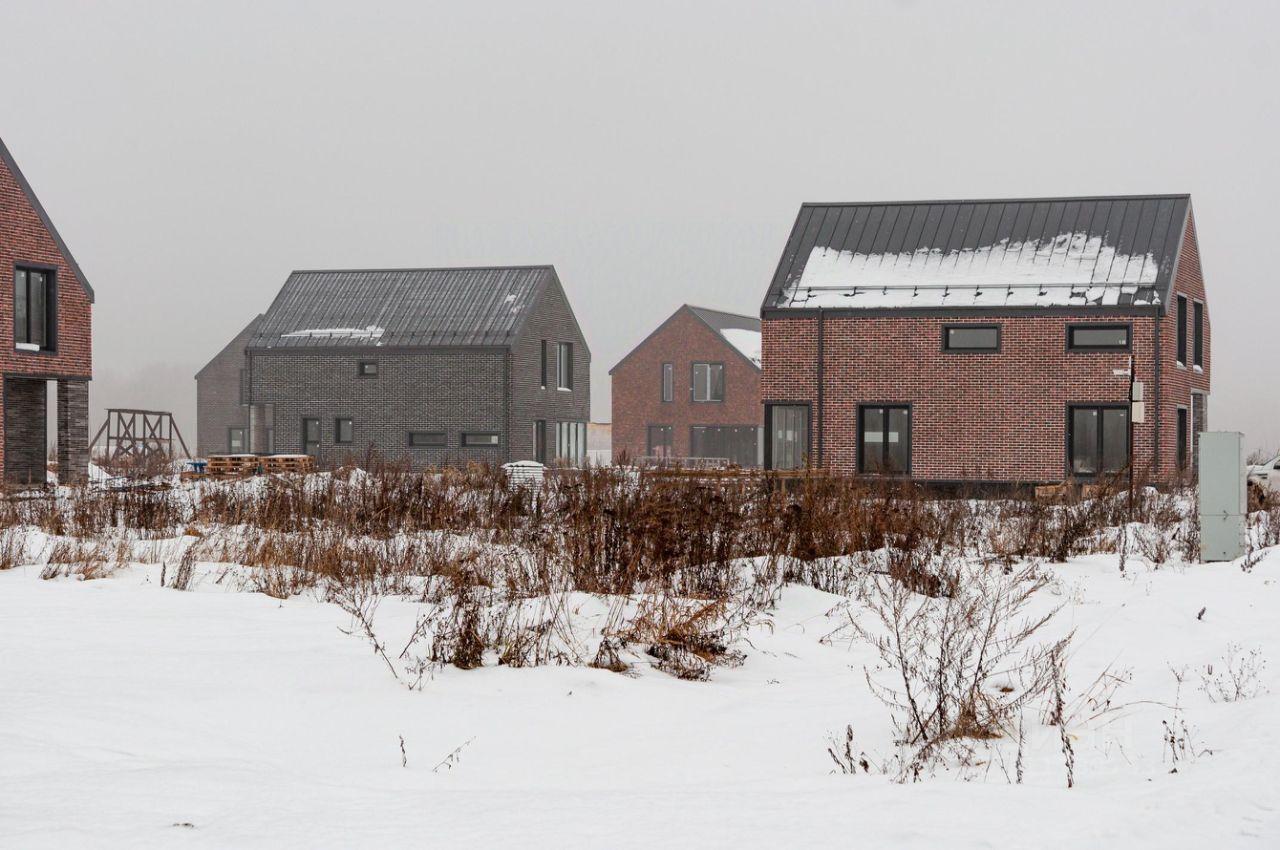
(656, 153)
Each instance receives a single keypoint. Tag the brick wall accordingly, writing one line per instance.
(25, 240)
(73, 431)
(988, 417)
(451, 390)
(552, 319)
(637, 387)
(218, 396)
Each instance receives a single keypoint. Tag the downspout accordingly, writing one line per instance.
(822, 351)
(1155, 439)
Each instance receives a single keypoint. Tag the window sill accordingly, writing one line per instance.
(564, 389)
(1199, 369)
(30, 348)
(1181, 365)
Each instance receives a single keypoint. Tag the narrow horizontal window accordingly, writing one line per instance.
(368, 369)
(426, 438)
(972, 338)
(479, 439)
(1098, 337)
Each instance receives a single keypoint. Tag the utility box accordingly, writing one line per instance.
(1223, 498)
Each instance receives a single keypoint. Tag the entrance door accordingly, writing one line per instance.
(311, 437)
(788, 436)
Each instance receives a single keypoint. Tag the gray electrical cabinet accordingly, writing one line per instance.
(1223, 499)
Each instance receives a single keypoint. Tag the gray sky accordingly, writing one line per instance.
(193, 154)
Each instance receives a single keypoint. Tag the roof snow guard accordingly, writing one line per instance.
(965, 255)
(406, 308)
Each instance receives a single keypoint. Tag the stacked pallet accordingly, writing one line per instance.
(297, 464)
(223, 465)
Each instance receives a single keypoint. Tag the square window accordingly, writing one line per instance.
(368, 369)
(884, 434)
(1098, 439)
(236, 443)
(708, 382)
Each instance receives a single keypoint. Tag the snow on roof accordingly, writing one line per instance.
(371, 332)
(1069, 269)
(746, 341)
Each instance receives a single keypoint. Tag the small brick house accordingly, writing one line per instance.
(438, 366)
(989, 341)
(47, 312)
(691, 389)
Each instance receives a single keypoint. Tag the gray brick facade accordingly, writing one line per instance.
(451, 389)
(73, 431)
(25, 414)
(221, 392)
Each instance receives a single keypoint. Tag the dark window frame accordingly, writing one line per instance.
(50, 345)
(362, 369)
(1100, 326)
(244, 440)
(648, 439)
(886, 407)
(564, 366)
(767, 436)
(429, 441)
(1182, 434)
(468, 436)
(950, 349)
(1197, 333)
(319, 441)
(693, 382)
(337, 430)
(1181, 313)
(543, 378)
(540, 441)
(1071, 407)
(667, 382)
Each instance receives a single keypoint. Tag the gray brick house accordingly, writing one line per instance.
(437, 365)
(222, 416)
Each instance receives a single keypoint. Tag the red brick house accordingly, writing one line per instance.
(46, 311)
(989, 341)
(691, 389)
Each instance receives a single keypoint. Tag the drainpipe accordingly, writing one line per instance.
(1155, 438)
(822, 351)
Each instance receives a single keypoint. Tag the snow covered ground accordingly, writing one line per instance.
(139, 716)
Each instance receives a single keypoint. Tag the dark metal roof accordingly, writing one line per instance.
(1115, 251)
(408, 308)
(12, 165)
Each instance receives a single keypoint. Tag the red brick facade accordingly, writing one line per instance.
(991, 417)
(637, 387)
(25, 240)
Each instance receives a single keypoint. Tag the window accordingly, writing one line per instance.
(971, 338)
(1182, 438)
(708, 382)
(33, 308)
(885, 438)
(236, 443)
(788, 436)
(368, 369)
(543, 372)
(540, 441)
(1197, 334)
(311, 436)
(1182, 329)
(571, 441)
(1098, 439)
(735, 443)
(1098, 337)
(344, 431)
(426, 438)
(564, 366)
(660, 441)
(668, 382)
(477, 438)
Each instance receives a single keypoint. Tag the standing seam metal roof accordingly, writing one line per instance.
(1132, 240)
(411, 308)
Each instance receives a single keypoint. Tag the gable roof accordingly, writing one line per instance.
(740, 333)
(408, 308)
(239, 339)
(1103, 251)
(21, 180)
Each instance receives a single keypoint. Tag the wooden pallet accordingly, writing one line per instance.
(295, 464)
(223, 465)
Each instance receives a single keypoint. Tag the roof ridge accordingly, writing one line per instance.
(723, 312)
(1047, 199)
(426, 269)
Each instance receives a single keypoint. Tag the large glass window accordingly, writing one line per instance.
(1182, 329)
(735, 443)
(1197, 334)
(1098, 337)
(571, 442)
(33, 308)
(885, 439)
(668, 382)
(788, 436)
(708, 382)
(236, 443)
(659, 440)
(971, 338)
(1098, 440)
(564, 366)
